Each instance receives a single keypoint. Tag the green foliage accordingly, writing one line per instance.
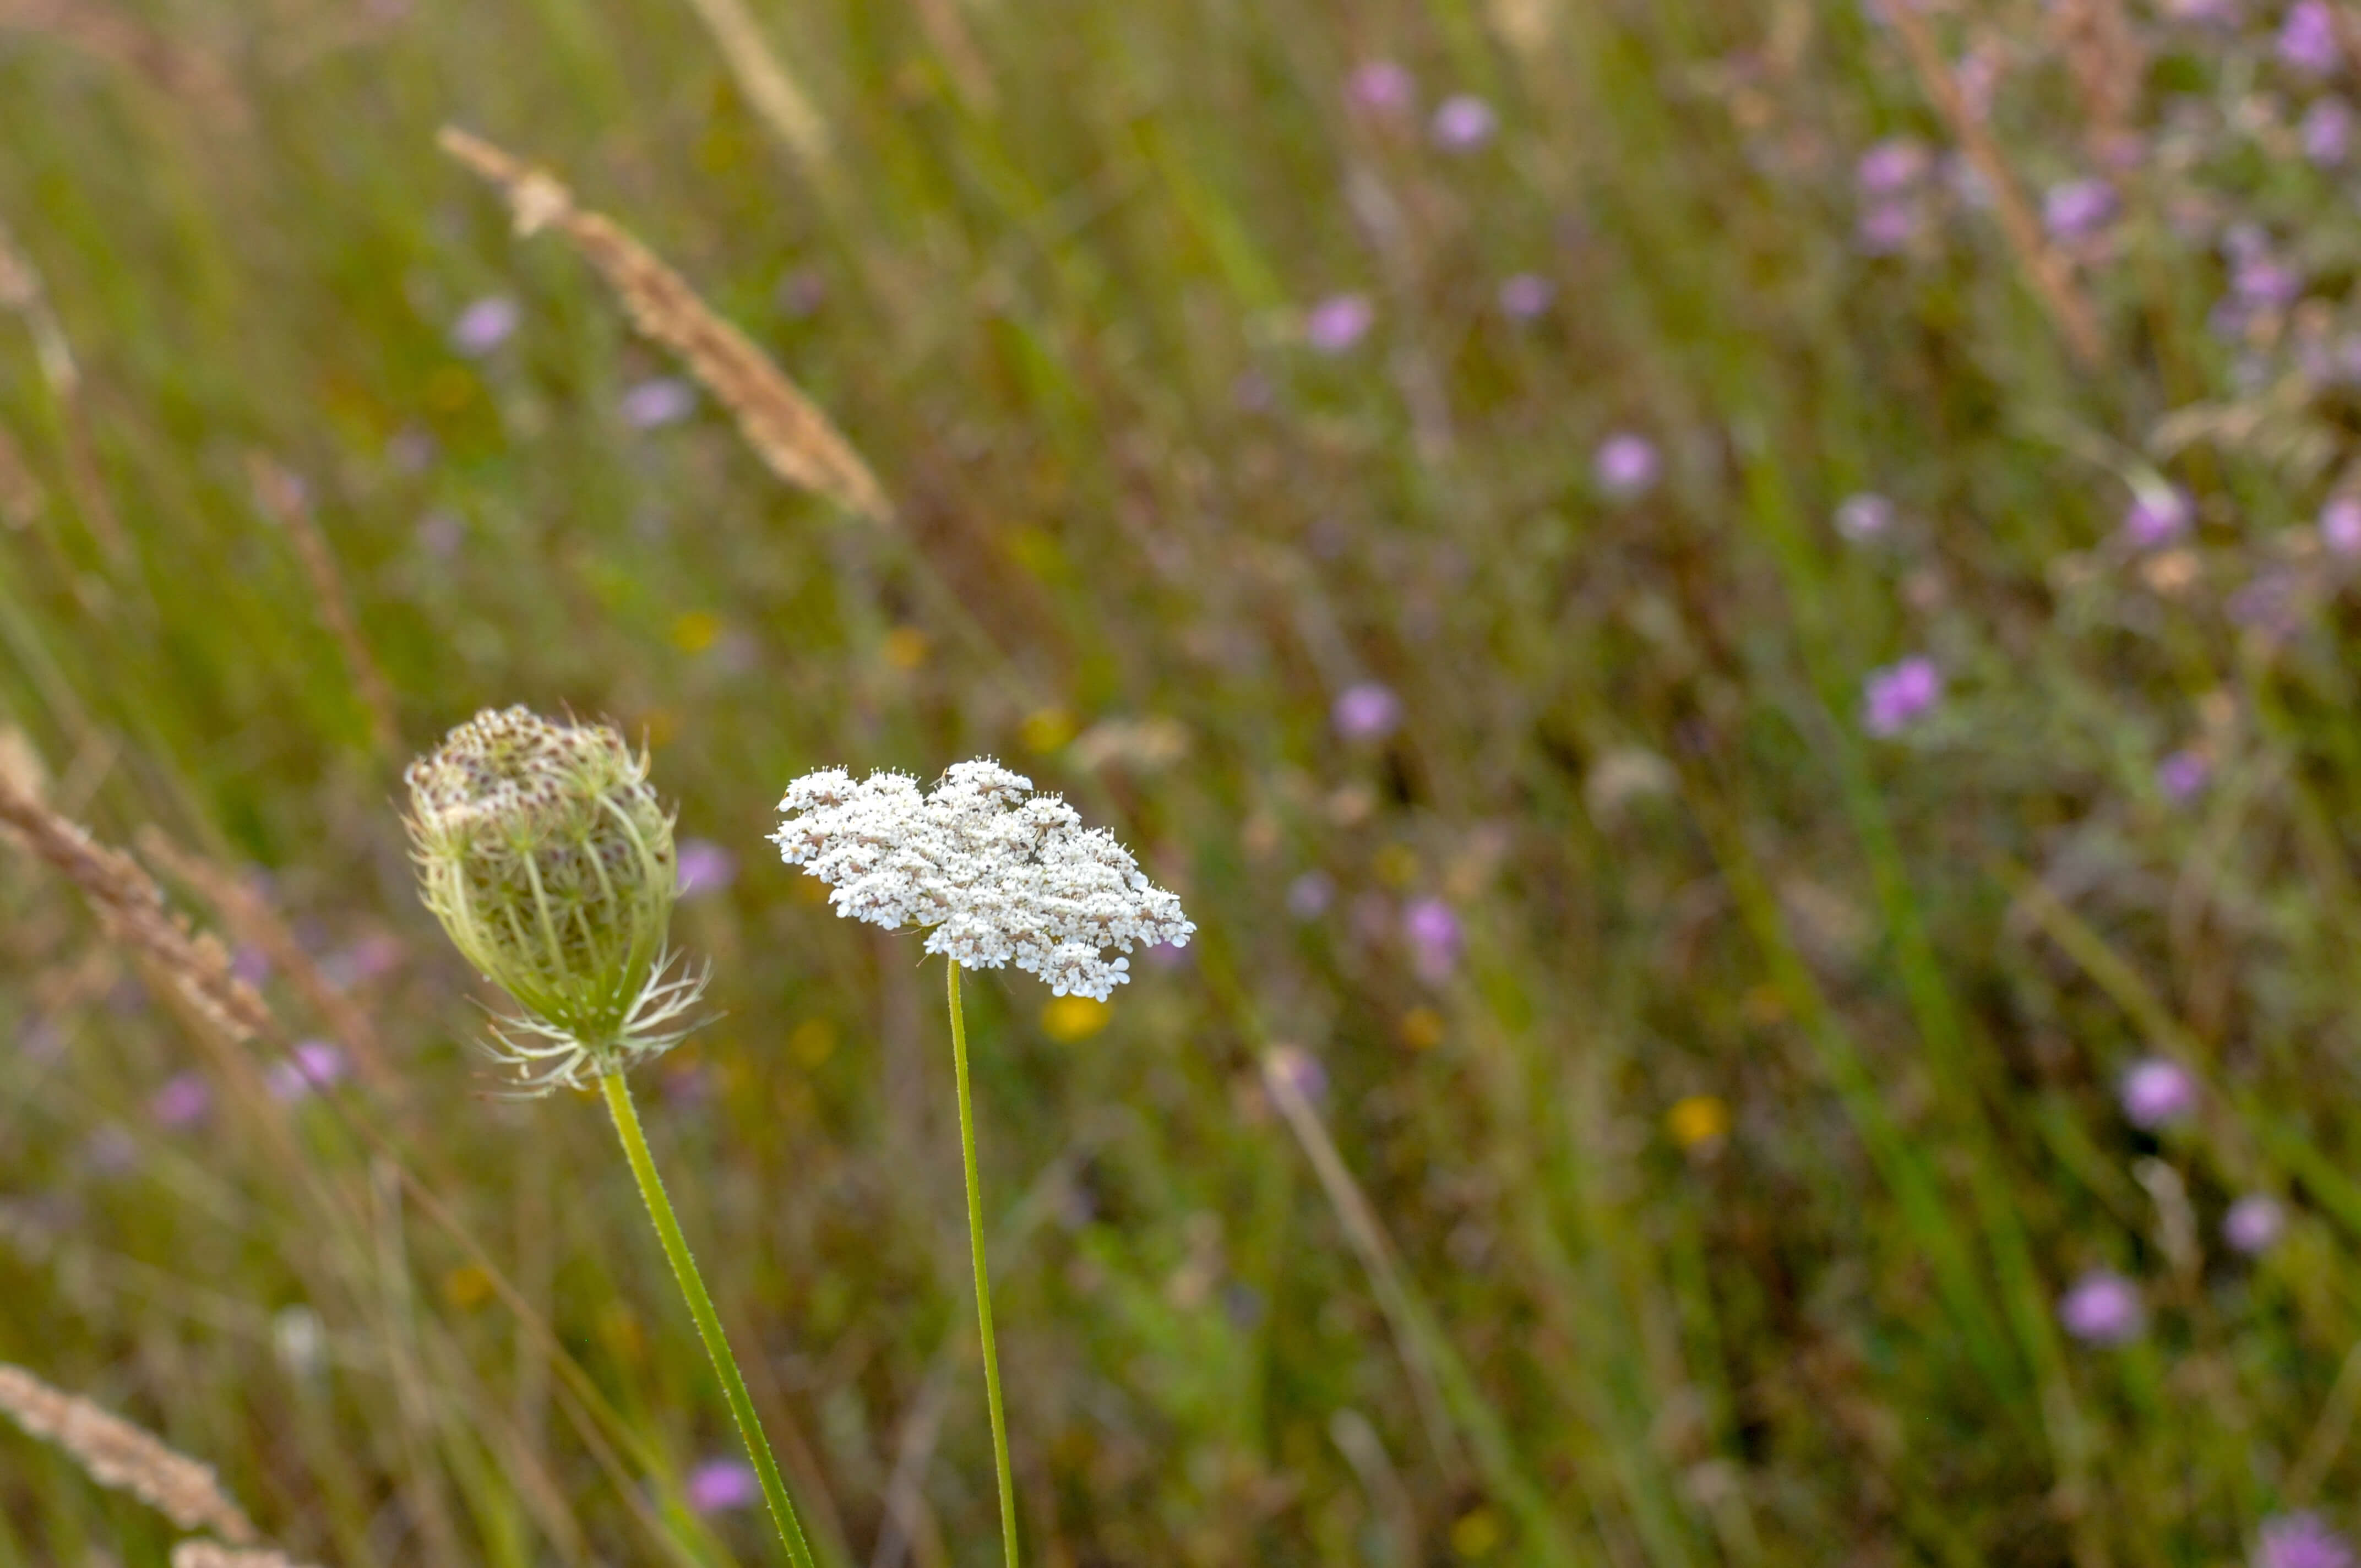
(1051, 277)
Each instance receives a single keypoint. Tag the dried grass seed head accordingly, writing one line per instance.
(117, 1455)
(999, 874)
(544, 852)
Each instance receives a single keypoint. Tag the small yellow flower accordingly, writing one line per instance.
(1047, 730)
(1066, 1019)
(1397, 865)
(905, 647)
(466, 1287)
(618, 1329)
(695, 632)
(813, 1042)
(1038, 553)
(1476, 1533)
(1422, 1028)
(1698, 1120)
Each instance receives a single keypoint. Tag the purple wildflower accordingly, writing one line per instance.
(1462, 123)
(689, 1083)
(1891, 167)
(1365, 711)
(2263, 283)
(370, 958)
(2103, 1308)
(183, 1102)
(112, 1150)
(705, 867)
(802, 292)
(314, 1064)
(1292, 1067)
(1626, 464)
(1526, 295)
(719, 1485)
(2157, 1092)
(42, 1041)
(1381, 87)
(2183, 775)
(666, 400)
(2253, 1224)
(1886, 229)
(1897, 695)
(2271, 605)
(2340, 525)
(411, 450)
(485, 325)
(2327, 132)
(1309, 896)
(250, 964)
(2308, 38)
(1338, 322)
(1864, 516)
(2156, 517)
(2301, 1540)
(1967, 182)
(440, 533)
(1433, 931)
(1167, 957)
(2078, 209)
(1979, 80)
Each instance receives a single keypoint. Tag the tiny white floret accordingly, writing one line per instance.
(998, 874)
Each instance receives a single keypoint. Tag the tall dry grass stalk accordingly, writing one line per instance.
(122, 1457)
(2103, 57)
(2045, 269)
(103, 32)
(130, 908)
(946, 28)
(24, 296)
(786, 429)
(131, 911)
(22, 500)
(1363, 1229)
(213, 1554)
(1450, 1404)
(251, 919)
(779, 102)
(284, 500)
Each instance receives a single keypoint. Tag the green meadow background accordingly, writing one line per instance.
(1709, 1200)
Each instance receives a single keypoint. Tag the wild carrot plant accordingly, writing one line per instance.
(546, 855)
(996, 875)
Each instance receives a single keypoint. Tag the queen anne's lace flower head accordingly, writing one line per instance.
(544, 852)
(998, 874)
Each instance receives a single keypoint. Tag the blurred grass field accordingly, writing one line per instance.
(1729, 1035)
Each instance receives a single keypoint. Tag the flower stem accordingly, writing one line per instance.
(709, 1322)
(982, 1280)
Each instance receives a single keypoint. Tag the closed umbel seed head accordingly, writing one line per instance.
(544, 852)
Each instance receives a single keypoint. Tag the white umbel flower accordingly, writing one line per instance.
(999, 874)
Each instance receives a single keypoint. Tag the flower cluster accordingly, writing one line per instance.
(1000, 875)
(543, 849)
